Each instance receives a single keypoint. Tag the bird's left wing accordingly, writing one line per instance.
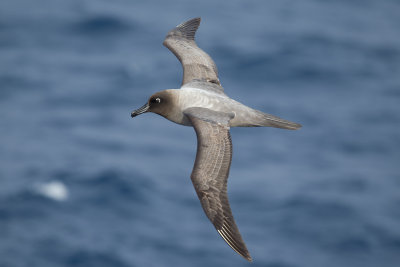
(211, 170)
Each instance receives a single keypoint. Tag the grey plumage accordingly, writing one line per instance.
(211, 170)
(202, 103)
(196, 63)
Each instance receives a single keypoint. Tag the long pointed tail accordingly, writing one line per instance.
(264, 119)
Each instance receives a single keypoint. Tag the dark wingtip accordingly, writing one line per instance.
(248, 258)
(235, 241)
(188, 28)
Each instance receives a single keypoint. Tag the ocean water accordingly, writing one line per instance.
(82, 184)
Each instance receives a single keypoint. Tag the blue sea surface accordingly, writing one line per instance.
(82, 184)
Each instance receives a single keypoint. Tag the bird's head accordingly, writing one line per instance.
(160, 103)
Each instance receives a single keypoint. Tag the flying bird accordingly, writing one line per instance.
(202, 103)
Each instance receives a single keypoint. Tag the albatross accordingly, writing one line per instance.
(202, 103)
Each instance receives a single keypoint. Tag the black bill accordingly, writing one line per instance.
(141, 110)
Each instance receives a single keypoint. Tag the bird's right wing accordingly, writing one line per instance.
(197, 64)
(211, 170)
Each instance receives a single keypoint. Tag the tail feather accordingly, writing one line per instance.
(265, 119)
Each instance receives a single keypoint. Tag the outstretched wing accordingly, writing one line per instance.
(197, 64)
(211, 170)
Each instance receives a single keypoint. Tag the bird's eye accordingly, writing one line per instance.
(155, 100)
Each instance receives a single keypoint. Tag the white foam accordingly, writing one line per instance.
(55, 190)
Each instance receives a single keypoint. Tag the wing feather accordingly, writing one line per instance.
(197, 64)
(210, 175)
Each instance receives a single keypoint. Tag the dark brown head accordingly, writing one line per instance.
(159, 103)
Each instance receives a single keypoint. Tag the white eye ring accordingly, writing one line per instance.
(158, 100)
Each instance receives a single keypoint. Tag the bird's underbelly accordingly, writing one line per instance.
(192, 97)
(199, 98)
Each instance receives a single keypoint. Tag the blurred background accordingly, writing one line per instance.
(82, 184)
